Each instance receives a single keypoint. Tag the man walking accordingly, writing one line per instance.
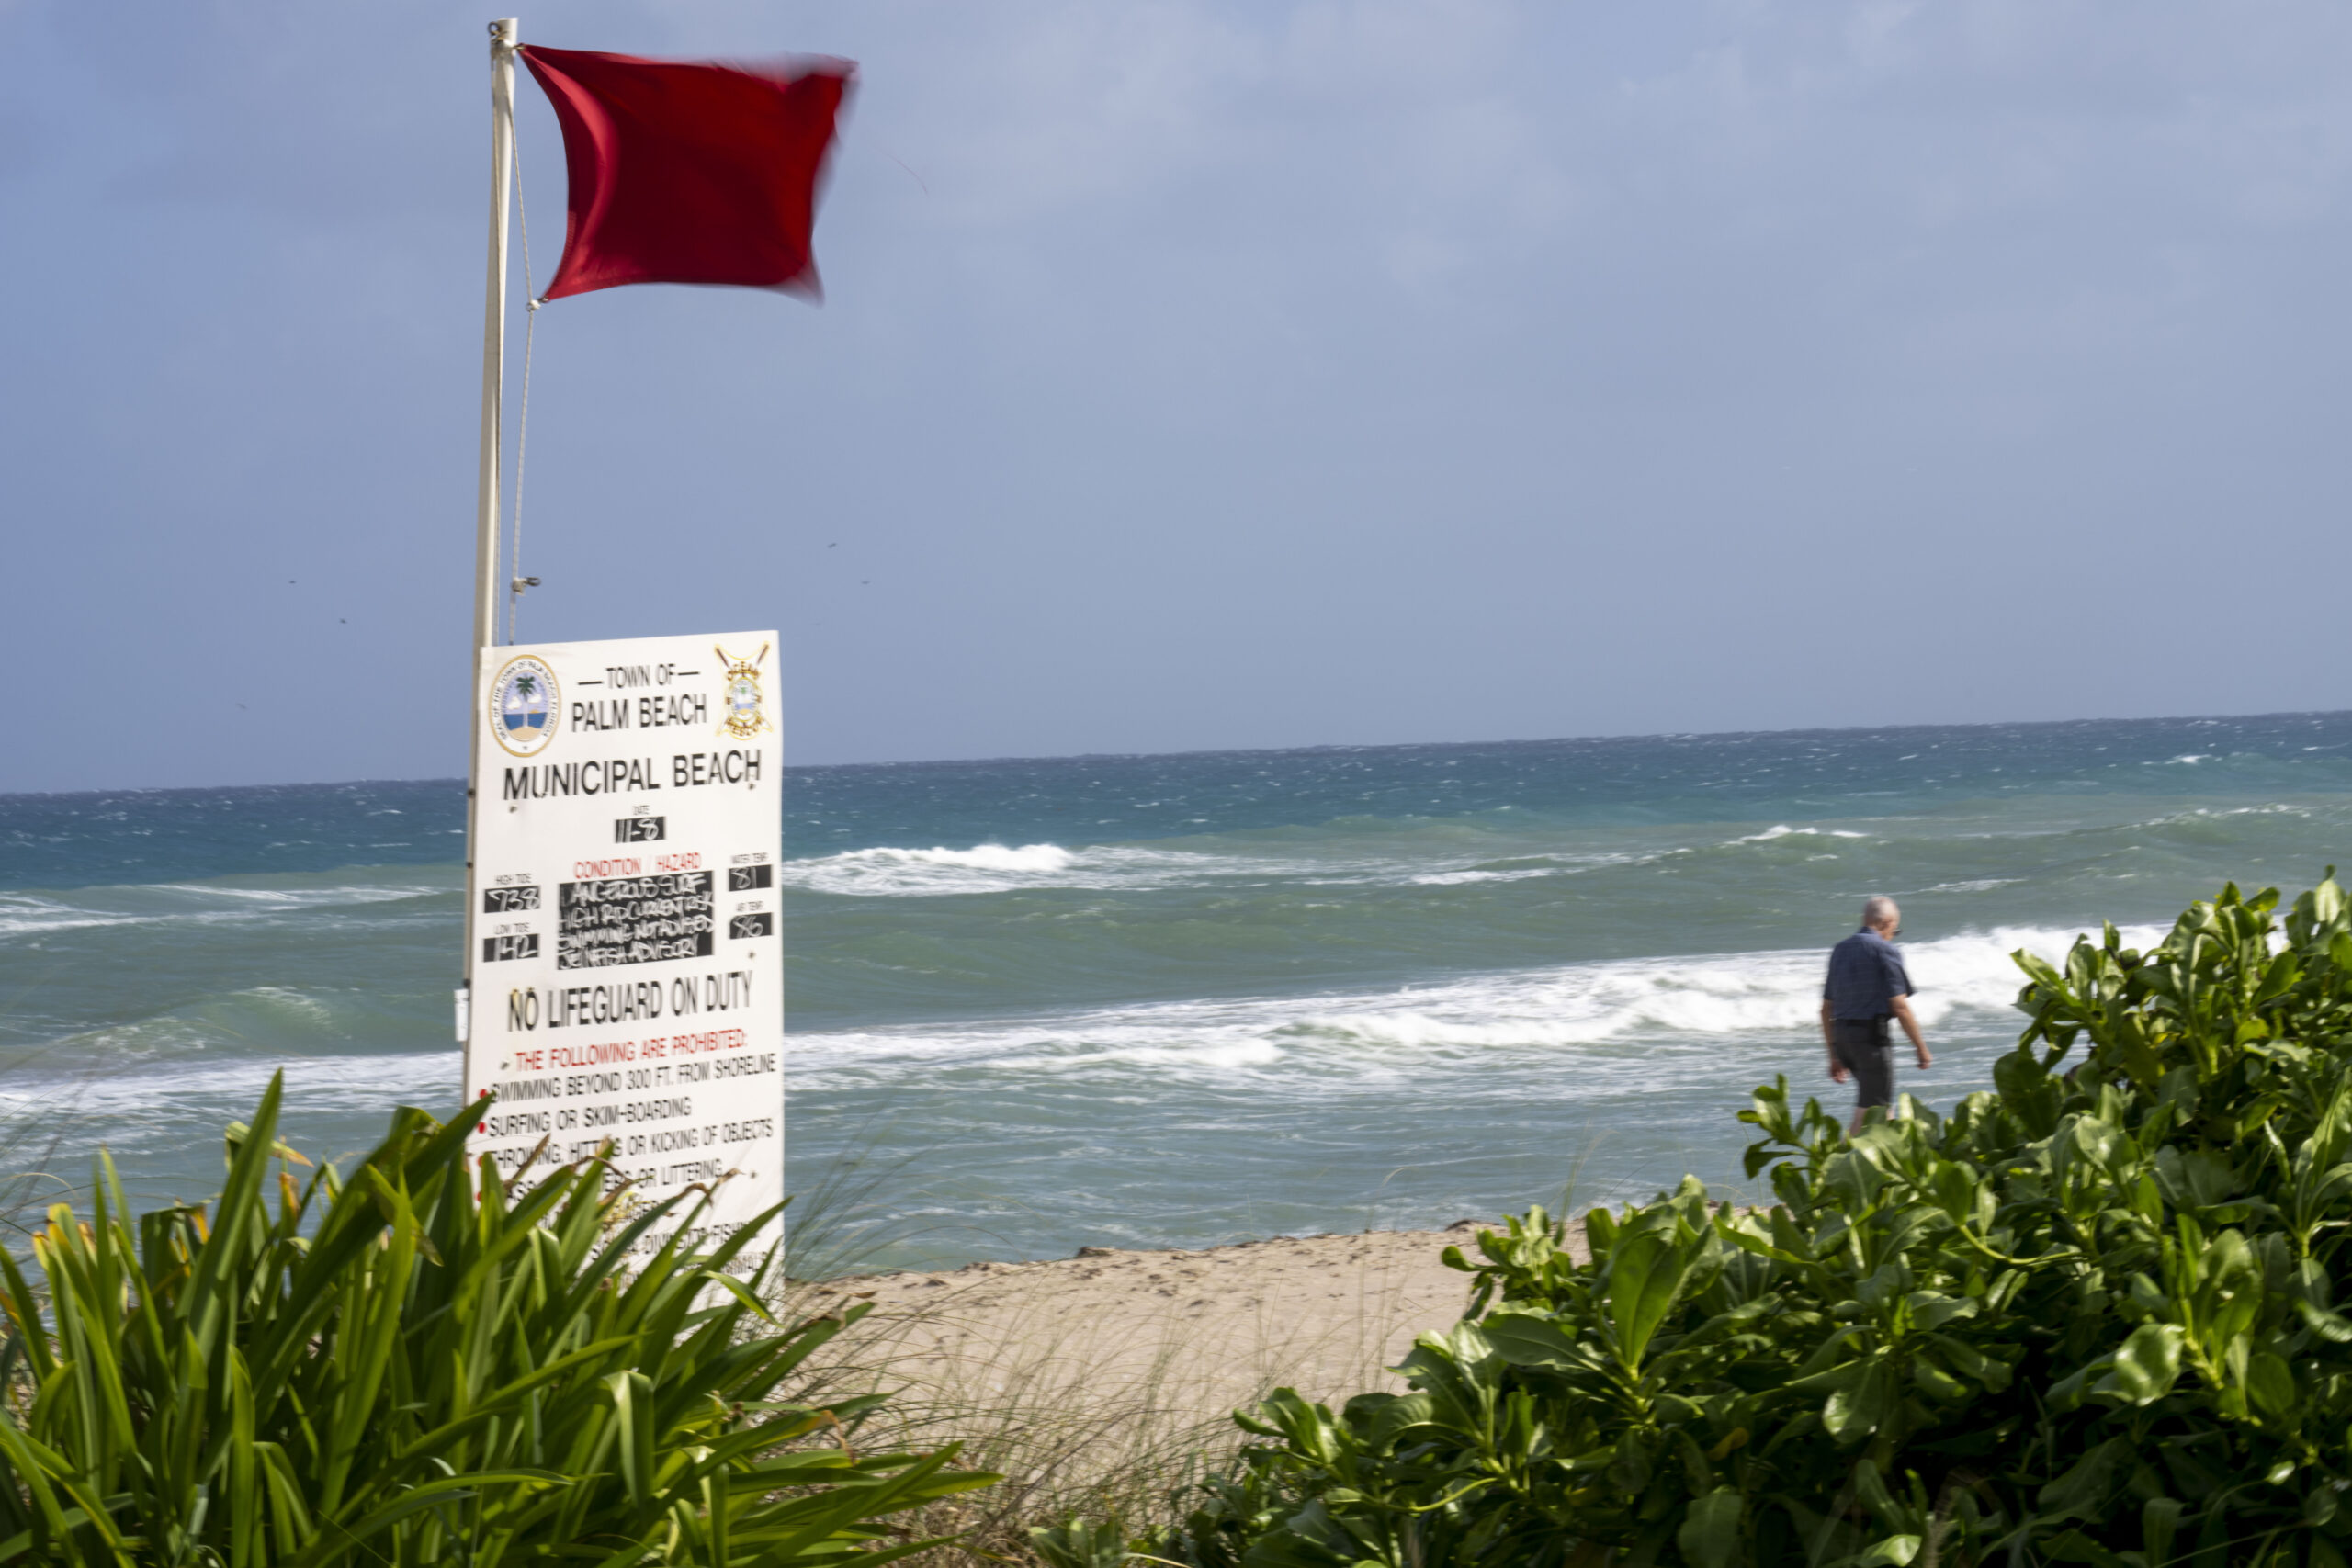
(1868, 985)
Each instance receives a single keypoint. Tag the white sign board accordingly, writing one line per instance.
(623, 963)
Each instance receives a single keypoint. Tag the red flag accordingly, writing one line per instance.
(689, 173)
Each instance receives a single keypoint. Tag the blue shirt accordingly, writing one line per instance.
(1866, 974)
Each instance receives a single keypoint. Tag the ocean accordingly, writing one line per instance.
(1174, 1000)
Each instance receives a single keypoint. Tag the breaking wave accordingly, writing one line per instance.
(1593, 1021)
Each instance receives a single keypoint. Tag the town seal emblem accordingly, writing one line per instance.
(526, 705)
(739, 703)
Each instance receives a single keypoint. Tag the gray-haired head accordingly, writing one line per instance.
(1879, 911)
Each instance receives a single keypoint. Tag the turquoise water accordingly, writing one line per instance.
(1178, 999)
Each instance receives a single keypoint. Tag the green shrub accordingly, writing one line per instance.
(2090, 1317)
(423, 1365)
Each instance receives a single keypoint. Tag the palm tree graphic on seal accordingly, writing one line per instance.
(521, 716)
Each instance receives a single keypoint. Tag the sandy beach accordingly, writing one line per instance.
(1324, 1313)
(1065, 1373)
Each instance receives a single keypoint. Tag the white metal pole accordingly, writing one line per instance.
(502, 39)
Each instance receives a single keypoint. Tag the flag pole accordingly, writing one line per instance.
(502, 37)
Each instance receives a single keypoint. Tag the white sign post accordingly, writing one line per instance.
(624, 970)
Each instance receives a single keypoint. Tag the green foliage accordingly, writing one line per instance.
(425, 1364)
(1076, 1544)
(2090, 1317)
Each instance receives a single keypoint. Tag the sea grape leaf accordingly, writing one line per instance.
(2332, 1134)
(1401, 1415)
(2027, 1092)
(1854, 1412)
(1710, 1534)
(1931, 1309)
(1871, 1488)
(2271, 1383)
(1963, 1196)
(1969, 1361)
(2146, 1365)
(2328, 1326)
(2073, 1546)
(1526, 1340)
(2140, 1059)
(2159, 1519)
(1934, 1381)
(1646, 1274)
(2194, 1178)
(2083, 1490)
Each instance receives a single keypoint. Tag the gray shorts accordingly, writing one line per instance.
(1865, 1047)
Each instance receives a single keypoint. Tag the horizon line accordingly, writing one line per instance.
(1011, 760)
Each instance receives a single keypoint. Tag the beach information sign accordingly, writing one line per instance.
(625, 979)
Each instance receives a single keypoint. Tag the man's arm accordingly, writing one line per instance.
(1902, 1006)
(1829, 1042)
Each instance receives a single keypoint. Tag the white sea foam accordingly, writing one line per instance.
(1602, 1024)
(1226, 1055)
(370, 1084)
(1458, 878)
(889, 872)
(985, 857)
(20, 914)
(2212, 814)
(186, 903)
(895, 872)
(138, 1111)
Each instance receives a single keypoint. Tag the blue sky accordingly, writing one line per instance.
(1200, 376)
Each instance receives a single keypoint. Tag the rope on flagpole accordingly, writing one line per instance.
(523, 417)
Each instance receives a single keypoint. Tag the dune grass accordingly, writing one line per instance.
(1103, 1409)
